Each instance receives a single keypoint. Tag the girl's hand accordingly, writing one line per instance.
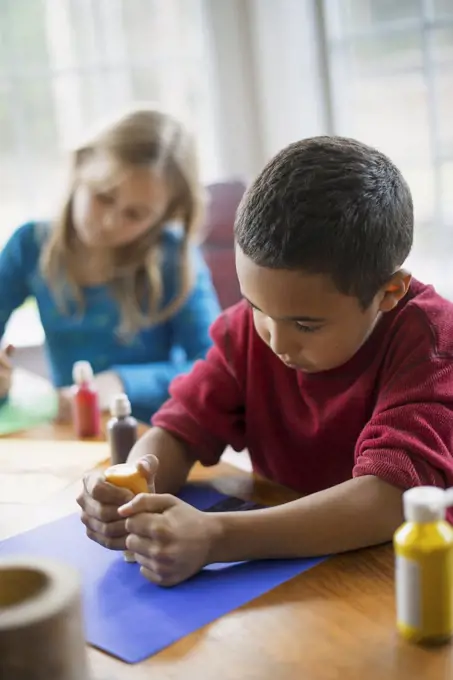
(171, 540)
(64, 413)
(6, 371)
(107, 384)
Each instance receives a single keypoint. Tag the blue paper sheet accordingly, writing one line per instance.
(129, 617)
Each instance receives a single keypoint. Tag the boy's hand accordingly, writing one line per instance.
(6, 371)
(170, 539)
(100, 501)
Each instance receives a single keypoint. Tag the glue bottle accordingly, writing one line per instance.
(121, 429)
(424, 567)
(128, 476)
(86, 413)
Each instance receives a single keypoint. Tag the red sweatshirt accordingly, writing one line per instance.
(387, 412)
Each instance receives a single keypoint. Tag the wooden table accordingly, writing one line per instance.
(335, 622)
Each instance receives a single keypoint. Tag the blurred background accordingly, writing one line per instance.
(249, 76)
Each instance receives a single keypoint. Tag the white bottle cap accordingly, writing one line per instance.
(425, 504)
(120, 406)
(82, 372)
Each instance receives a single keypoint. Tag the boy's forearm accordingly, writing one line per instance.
(360, 512)
(175, 460)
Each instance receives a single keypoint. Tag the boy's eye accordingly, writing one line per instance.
(303, 328)
(307, 329)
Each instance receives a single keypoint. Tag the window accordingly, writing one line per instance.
(391, 79)
(63, 63)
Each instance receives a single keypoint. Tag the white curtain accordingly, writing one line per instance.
(63, 63)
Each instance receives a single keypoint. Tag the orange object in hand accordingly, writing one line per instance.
(128, 477)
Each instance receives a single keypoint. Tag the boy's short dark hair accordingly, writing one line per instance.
(329, 205)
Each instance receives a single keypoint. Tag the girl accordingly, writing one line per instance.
(117, 279)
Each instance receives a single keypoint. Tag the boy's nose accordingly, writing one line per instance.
(279, 343)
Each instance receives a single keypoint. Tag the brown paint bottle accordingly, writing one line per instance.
(121, 429)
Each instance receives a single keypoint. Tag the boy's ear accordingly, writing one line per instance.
(394, 290)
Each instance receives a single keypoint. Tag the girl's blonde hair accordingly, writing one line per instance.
(143, 137)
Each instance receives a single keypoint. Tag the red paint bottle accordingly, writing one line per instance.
(86, 414)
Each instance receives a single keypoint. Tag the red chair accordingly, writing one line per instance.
(218, 243)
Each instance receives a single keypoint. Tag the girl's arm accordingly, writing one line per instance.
(17, 261)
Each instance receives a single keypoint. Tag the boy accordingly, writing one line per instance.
(335, 372)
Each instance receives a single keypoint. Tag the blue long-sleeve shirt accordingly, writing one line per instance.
(147, 362)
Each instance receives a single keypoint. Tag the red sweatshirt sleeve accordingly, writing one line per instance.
(409, 438)
(206, 407)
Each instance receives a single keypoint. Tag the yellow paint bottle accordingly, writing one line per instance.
(424, 567)
(129, 477)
